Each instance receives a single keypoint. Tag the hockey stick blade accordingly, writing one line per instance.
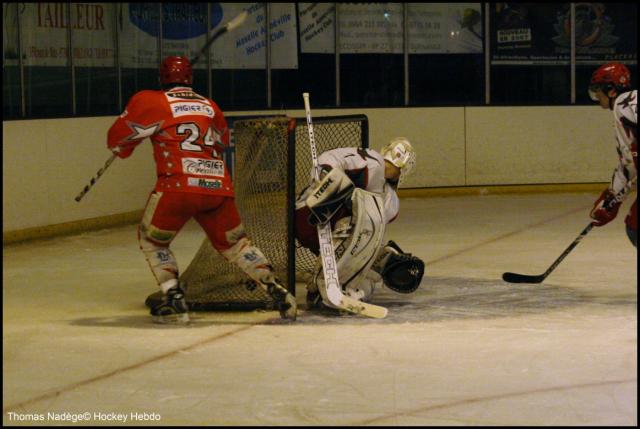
(363, 308)
(237, 21)
(522, 278)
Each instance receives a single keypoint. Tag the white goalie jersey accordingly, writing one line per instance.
(365, 168)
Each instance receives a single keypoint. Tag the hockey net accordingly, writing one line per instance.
(272, 166)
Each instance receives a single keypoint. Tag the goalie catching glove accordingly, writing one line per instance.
(329, 195)
(401, 272)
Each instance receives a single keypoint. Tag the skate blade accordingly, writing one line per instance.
(172, 319)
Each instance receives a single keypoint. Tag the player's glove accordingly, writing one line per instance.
(605, 208)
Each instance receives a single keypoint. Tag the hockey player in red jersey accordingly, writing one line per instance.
(357, 195)
(610, 86)
(188, 132)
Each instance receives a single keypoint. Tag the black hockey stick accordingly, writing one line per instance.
(234, 23)
(523, 278)
(96, 177)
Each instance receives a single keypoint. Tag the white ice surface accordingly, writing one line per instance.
(465, 349)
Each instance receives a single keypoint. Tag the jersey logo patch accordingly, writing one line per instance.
(204, 183)
(190, 108)
(203, 167)
(186, 95)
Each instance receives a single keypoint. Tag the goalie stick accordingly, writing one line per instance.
(523, 278)
(234, 23)
(331, 284)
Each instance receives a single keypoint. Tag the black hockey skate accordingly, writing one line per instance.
(173, 309)
(285, 303)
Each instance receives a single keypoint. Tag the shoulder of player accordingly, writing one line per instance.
(214, 106)
(336, 156)
(146, 94)
(354, 154)
(629, 98)
(626, 106)
(375, 154)
(142, 102)
(212, 103)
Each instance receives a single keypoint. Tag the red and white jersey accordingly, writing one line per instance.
(365, 168)
(625, 112)
(188, 132)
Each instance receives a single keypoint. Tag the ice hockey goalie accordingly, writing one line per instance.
(357, 194)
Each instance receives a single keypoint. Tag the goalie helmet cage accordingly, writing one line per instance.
(273, 166)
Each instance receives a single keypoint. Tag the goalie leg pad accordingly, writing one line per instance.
(365, 286)
(356, 239)
(328, 196)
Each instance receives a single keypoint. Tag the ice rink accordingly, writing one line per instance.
(465, 349)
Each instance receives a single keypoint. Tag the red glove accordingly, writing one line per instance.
(605, 208)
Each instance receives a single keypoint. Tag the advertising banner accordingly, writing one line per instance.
(434, 28)
(44, 33)
(184, 30)
(445, 28)
(540, 33)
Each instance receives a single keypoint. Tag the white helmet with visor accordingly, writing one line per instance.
(400, 153)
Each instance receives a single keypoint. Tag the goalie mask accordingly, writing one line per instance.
(400, 153)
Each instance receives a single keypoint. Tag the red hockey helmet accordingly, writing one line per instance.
(609, 76)
(176, 70)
